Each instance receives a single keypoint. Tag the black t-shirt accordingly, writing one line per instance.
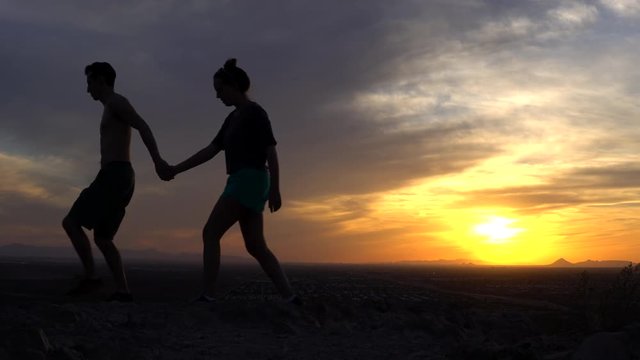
(244, 136)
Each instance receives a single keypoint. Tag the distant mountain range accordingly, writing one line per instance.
(441, 262)
(560, 263)
(60, 252)
(67, 253)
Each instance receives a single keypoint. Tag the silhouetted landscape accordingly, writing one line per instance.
(351, 311)
(67, 253)
(591, 263)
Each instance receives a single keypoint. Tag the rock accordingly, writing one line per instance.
(561, 355)
(633, 334)
(491, 351)
(283, 327)
(29, 338)
(4, 354)
(604, 345)
(64, 315)
(32, 354)
(420, 355)
(66, 353)
(333, 327)
(41, 340)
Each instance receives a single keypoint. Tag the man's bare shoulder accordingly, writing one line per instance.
(118, 101)
(120, 107)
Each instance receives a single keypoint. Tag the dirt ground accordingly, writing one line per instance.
(350, 312)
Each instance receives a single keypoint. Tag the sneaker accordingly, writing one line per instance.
(204, 299)
(120, 297)
(85, 286)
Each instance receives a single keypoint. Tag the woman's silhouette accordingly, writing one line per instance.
(248, 142)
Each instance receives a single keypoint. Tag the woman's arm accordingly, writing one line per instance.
(198, 158)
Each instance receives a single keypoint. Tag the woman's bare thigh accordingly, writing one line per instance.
(225, 213)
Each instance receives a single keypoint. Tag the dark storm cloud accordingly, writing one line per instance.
(606, 186)
(369, 164)
(606, 177)
(303, 57)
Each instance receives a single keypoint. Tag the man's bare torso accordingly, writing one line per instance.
(115, 134)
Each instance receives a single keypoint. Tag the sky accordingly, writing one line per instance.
(501, 132)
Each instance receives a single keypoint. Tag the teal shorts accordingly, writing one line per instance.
(250, 187)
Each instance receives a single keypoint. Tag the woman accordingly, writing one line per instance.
(247, 140)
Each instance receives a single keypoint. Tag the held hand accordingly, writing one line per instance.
(165, 171)
(275, 201)
(169, 173)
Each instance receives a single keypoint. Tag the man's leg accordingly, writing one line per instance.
(114, 189)
(251, 224)
(224, 214)
(112, 257)
(81, 244)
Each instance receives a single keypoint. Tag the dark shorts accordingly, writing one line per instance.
(250, 187)
(101, 206)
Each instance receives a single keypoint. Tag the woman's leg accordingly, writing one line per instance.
(224, 214)
(251, 224)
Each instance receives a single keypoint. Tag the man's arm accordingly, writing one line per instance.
(128, 114)
(275, 201)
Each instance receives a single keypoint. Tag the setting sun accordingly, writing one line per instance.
(497, 230)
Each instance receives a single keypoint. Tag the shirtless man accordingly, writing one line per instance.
(101, 206)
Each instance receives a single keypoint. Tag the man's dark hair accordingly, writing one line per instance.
(232, 75)
(102, 69)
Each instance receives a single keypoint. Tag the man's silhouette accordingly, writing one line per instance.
(101, 206)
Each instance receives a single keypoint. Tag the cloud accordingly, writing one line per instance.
(30, 220)
(42, 179)
(606, 186)
(625, 8)
(118, 17)
(575, 14)
(379, 163)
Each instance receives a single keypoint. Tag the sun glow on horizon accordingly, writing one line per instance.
(497, 230)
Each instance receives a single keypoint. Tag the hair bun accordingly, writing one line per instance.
(230, 64)
(232, 75)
